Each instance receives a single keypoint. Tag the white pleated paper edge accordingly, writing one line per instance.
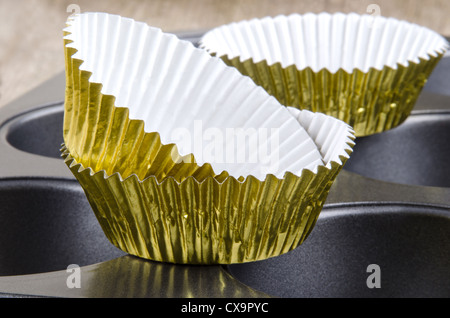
(191, 99)
(326, 41)
(333, 137)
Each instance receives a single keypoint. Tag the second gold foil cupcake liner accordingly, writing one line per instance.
(371, 102)
(365, 71)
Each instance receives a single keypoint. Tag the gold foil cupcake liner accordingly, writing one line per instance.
(367, 72)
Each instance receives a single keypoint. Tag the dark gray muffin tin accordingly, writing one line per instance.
(386, 220)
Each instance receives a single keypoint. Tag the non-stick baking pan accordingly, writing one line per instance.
(384, 230)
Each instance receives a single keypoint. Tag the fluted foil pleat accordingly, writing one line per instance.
(208, 222)
(371, 102)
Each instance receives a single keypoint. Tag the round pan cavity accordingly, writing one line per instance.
(362, 251)
(47, 226)
(38, 132)
(414, 153)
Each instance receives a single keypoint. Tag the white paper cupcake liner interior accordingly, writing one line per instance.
(326, 41)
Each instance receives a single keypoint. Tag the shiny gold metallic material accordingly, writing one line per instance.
(371, 102)
(210, 222)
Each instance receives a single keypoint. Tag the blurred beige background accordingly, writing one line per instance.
(31, 30)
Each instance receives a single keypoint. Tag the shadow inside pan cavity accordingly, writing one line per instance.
(415, 153)
(47, 226)
(438, 81)
(370, 252)
(39, 132)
